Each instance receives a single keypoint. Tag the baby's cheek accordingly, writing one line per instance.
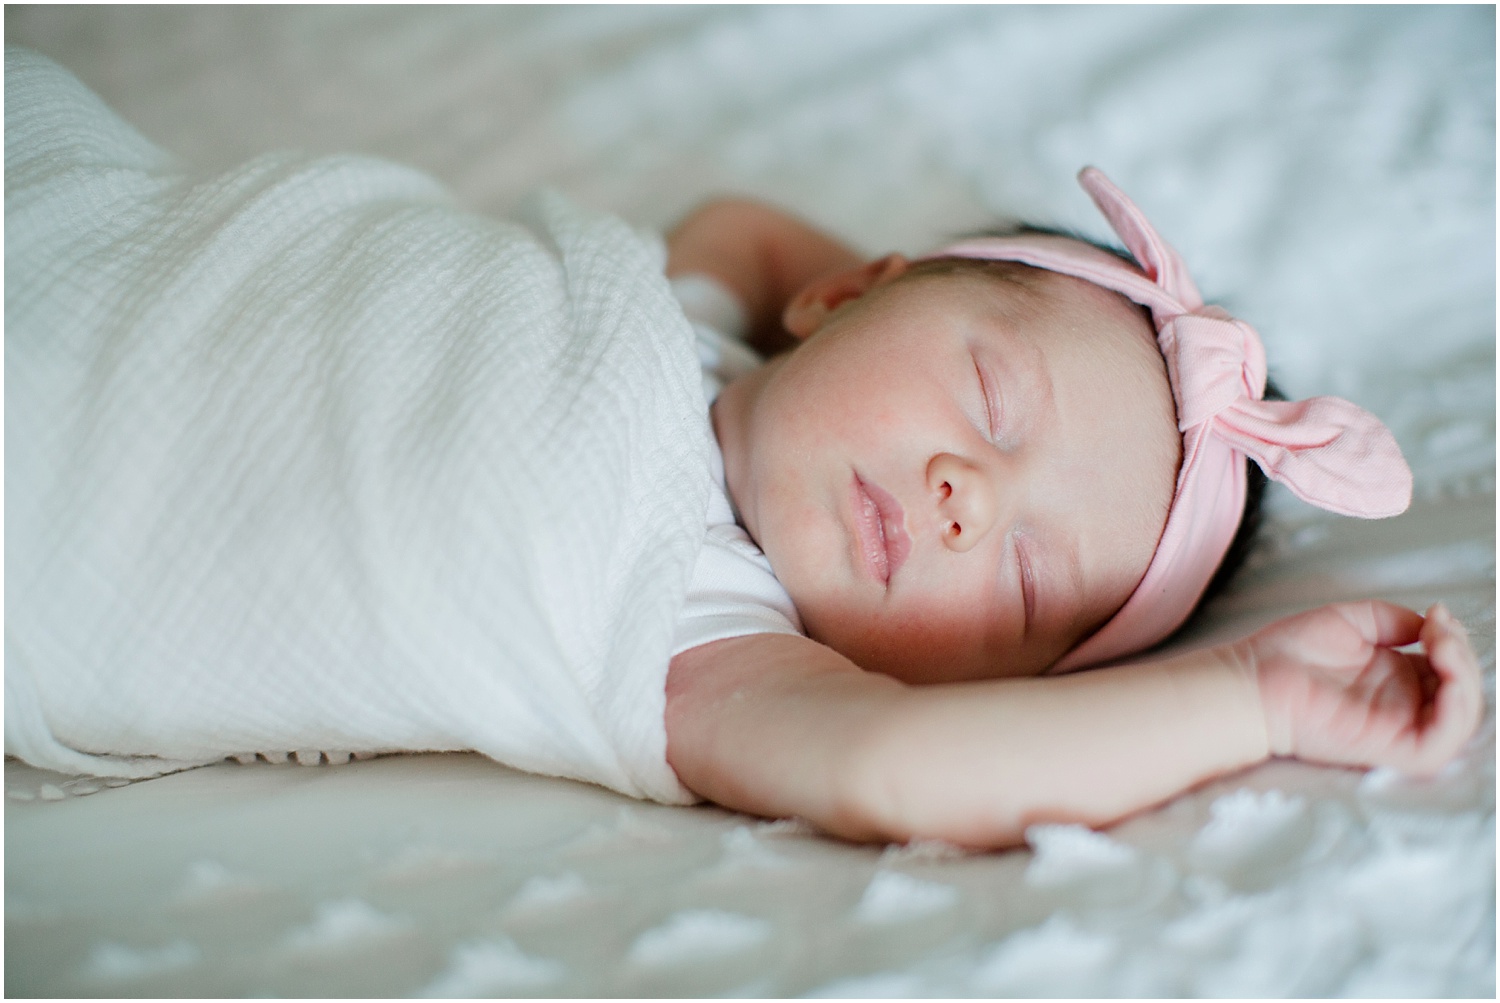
(931, 647)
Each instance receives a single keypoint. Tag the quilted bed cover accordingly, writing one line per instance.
(1330, 173)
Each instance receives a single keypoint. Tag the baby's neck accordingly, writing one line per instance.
(732, 416)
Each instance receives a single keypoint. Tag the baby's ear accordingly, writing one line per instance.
(810, 308)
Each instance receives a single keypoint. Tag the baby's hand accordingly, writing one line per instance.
(1334, 689)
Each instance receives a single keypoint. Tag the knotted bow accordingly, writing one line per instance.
(1328, 451)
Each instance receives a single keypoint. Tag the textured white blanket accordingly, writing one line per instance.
(302, 457)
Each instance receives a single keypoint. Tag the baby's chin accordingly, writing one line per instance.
(920, 657)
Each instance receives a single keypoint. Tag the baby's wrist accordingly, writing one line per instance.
(1248, 720)
(1242, 665)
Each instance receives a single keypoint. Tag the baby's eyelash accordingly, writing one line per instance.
(1028, 584)
(991, 408)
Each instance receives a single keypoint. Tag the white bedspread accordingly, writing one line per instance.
(301, 457)
(1329, 173)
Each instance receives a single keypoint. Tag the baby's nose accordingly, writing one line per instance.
(966, 498)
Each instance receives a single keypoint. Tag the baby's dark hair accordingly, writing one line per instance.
(1245, 535)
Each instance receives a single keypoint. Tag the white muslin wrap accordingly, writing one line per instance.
(303, 457)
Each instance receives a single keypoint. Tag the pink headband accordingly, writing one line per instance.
(1328, 451)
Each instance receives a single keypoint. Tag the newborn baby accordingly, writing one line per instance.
(302, 456)
(991, 465)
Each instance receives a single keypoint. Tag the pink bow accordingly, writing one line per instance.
(1329, 452)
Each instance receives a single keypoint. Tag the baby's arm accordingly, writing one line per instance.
(762, 254)
(780, 725)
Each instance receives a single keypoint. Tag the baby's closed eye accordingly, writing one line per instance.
(1027, 575)
(994, 405)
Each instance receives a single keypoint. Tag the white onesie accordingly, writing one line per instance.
(733, 590)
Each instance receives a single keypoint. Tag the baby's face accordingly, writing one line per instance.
(958, 477)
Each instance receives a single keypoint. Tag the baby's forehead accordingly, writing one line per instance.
(1043, 299)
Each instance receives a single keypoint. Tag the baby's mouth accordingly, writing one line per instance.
(880, 530)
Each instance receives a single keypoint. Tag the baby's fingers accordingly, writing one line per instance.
(1339, 638)
(1458, 703)
(1380, 623)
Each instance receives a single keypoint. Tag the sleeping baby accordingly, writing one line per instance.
(302, 458)
(1014, 458)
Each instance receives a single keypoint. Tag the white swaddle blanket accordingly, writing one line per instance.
(303, 457)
